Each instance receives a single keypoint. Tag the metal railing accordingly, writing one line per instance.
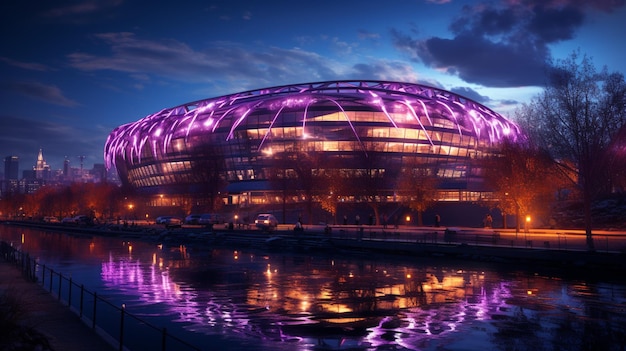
(534, 239)
(114, 323)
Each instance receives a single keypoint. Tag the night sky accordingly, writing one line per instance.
(71, 71)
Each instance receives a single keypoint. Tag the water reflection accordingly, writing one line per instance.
(334, 303)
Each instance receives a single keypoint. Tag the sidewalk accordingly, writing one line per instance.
(48, 316)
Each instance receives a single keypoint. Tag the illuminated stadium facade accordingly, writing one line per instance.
(268, 145)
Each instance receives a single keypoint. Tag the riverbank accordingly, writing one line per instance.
(478, 245)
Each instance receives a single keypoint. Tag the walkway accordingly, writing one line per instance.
(63, 329)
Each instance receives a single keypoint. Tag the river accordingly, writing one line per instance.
(247, 298)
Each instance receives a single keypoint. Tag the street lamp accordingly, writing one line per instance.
(527, 225)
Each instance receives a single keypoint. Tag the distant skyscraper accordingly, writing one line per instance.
(11, 171)
(11, 166)
(66, 168)
(42, 169)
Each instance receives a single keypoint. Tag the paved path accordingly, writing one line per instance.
(63, 329)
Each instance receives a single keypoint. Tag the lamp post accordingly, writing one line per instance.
(526, 226)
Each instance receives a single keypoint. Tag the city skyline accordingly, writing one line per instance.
(40, 162)
(72, 72)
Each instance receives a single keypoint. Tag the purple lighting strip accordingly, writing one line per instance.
(205, 116)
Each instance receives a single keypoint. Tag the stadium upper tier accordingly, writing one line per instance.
(390, 123)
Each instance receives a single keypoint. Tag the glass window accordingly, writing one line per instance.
(396, 133)
(361, 116)
(411, 134)
(409, 147)
(331, 146)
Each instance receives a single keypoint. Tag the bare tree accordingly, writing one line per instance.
(371, 180)
(332, 186)
(417, 188)
(520, 175)
(617, 157)
(207, 176)
(281, 179)
(575, 118)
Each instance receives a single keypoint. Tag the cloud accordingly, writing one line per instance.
(365, 34)
(471, 94)
(39, 91)
(81, 8)
(231, 66)
(219, 62)
(31, 66)
(386, 70)
(503, 45)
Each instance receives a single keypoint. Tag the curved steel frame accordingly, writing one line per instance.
(161, 127)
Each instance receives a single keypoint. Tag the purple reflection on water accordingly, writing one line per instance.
(272, 301)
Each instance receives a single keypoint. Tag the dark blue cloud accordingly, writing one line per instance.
(471, 94)
(503, 45)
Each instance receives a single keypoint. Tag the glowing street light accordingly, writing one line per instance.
(527, 225)
(130, 210)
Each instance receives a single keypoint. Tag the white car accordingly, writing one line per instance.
(266, 222)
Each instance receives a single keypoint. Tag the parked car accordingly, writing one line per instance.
(162, 219)
(210, 219)
(51, 219)
(192, 219)
(172, 222)
(82, 219)
(78, 220)
(266, 222)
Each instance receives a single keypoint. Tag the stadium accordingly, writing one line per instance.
(348, 142)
